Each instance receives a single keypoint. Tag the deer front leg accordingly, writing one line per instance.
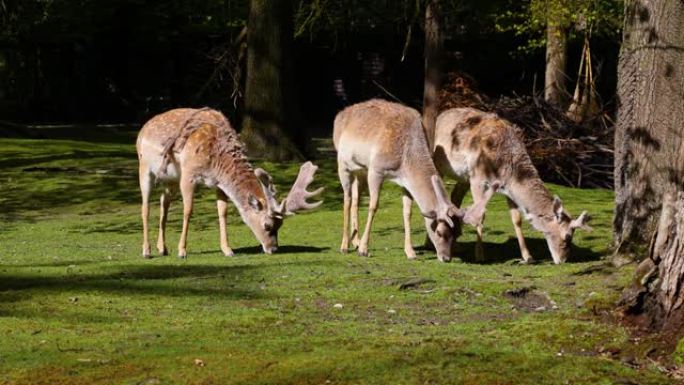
(477, 191)
(164, 204)
(408, 247)
(222, 206)
(457, 195)
(345, 181)
(374, 184)
(145, 190)
(187, 188)
(355, 212)
(516, 218)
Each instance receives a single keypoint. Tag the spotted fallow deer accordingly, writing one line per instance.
(383, 140)
(474, 146)
(199, 146)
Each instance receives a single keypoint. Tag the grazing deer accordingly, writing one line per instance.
(474, 146)
(198, 146)
(383, 140)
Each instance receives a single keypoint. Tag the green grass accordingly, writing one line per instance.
(78, 305)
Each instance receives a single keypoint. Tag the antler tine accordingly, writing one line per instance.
(296, 198)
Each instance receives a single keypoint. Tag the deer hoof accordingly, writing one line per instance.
(147, 255)
(363, 253)
(163, 250)
(229, 253)
(182, 256)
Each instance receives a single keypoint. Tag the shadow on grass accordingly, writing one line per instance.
(282, 249)
(509, 251)
(231, 282)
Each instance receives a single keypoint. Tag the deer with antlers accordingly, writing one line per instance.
(199, 146)
(474, 147)
(381, 140)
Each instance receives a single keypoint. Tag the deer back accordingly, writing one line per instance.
(200, 142)
(383, 136)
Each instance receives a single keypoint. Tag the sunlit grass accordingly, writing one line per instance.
(79, 305)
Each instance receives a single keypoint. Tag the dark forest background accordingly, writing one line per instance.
(122, 61)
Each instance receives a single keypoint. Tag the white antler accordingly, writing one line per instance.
(296, 198)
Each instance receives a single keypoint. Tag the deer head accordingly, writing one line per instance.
(559, 229)
(440, 223)
(266, 218)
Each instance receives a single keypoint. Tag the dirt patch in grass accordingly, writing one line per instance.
(530, 299)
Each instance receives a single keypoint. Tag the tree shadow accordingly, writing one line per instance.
(147, 278)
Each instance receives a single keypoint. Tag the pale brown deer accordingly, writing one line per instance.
(473, 147)
(186, 147)
(381, 140)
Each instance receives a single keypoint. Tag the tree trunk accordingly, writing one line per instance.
(269, 126)
(433, 66)
(556, 58)
(656, 297)
(649, 157)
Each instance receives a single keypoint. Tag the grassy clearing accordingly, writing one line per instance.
(78, 305)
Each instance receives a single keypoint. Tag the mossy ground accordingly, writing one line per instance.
(78, 304)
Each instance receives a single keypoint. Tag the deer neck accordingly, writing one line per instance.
(533, 199)
(235, 177)
(419, 184)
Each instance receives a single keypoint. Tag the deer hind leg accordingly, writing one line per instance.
(145, 190)
(345, 181)
(164, 204)
(477, 190)
(408, 247)
(374, 184)
(516, 218)
(222, 206)
(355, 190)
(187, 187)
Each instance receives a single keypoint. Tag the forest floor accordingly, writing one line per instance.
(79, 305)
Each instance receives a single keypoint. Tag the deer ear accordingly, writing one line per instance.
(557, 208)
(263, 176)
(254, 203)
(581, 222)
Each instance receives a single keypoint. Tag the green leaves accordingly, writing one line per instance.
(530, 18)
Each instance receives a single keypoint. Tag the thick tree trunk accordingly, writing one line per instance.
(649, 158)
(649, 162)
(269, 124)
(433, 66)
(656, 297)
(556, 59)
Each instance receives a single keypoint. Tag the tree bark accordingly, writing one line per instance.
(269, 126)
(556, 59)
(649, 157)
(434, 42)
(656, 296)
